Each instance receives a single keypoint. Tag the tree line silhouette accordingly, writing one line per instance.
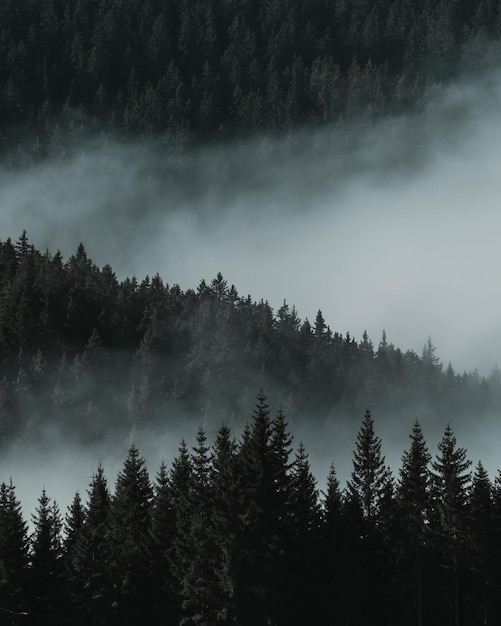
(237, 533)
(92, 355)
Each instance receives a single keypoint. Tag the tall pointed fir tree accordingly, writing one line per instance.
(366, 489)
(331, 570)
(483, 552)
(73, 524)
(369, 470)
(131, 541)
(225, 487)
(413, 500)
(450, 483)
(198, 579)
(89, 558)
(13, 557)
(180, 482)
(47, 574)
(162, 532)
(261, 566)
(304, 548)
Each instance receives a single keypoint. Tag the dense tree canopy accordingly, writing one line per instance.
(204, 69)
(93, 356)
(237, 532)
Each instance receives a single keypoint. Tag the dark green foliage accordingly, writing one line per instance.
(414, 508)
(93, 356)
(369, 470)
(235, 533)
(89, 555)
(448, 525)
(14, 573)
(182, 70)
(131, 541)
(47, 569)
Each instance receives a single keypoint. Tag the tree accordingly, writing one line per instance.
(88, 554)
(74, 521)
(47, 582)
(483, 555)
(413, 495)
(450, 482)
(261, 563)
(225, 489)
(131, 540)
(198, 580)
(304, 543)
(369, 470)
(367, 489)
(162, 532)
(13, 555)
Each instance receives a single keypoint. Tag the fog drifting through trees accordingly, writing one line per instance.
(397, 230)
(394, 228)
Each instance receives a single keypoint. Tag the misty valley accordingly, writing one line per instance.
(234, 530)
(339, 161)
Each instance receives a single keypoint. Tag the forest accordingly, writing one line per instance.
(237, 532)
(91, 357)
(182, 72)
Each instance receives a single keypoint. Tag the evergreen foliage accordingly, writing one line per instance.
(202, 70)
(92, 356)
(236, 532)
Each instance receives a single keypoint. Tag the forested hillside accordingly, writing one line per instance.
(92, 355)
(237, 533)
(206, 69)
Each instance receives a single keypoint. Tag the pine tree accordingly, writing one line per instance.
(13, 556)
(450, 482)
(369, 470)
(305, 511)
(261, 563)
(131, 540)
(162, 532)
(331, 571)
(414, 504)
(92, 553)
(367, 489)
(482, 546)
(73, 525)
(225, 489)
(198, 580)
(47, 582)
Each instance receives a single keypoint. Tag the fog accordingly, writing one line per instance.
(392, 226)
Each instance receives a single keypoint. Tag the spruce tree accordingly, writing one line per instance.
(304, 544)
(450, 483)
(180, 481)
(162, 532)
(331, 569)
(13, 556)
(413, 496)
(131, 541)
(47, 581)
(261, 556)
(198, 581)
(483, 555)
(369, 470)
(366, 490)
(89, 557)
(225, 488)
(74, 521)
